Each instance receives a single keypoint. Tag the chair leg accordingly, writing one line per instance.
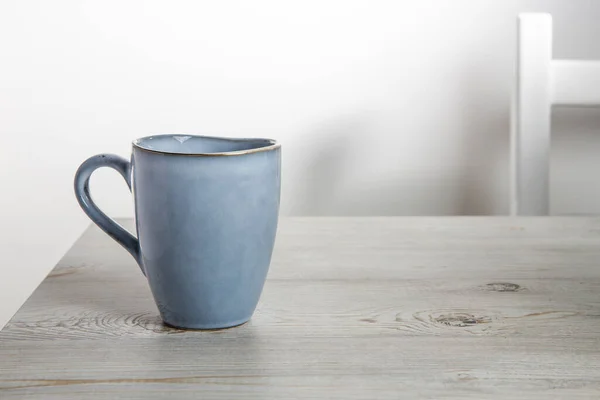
(531, 117)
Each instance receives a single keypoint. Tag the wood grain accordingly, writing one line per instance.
(353, 308)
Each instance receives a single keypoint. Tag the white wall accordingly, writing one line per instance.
(382, 107)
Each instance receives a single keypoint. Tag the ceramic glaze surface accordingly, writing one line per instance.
(206, 217)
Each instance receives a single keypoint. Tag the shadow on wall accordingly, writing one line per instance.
(332, 153)
(485, 145)
(349, 173)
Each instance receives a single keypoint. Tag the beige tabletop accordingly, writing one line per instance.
(354, 308)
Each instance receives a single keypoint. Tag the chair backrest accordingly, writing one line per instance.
(541, 82)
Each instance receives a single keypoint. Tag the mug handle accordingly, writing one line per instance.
(108, 225)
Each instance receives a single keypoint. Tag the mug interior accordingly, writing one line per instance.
(200, 145)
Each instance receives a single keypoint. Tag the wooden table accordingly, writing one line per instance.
(467, 308)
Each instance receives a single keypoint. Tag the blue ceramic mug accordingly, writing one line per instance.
(206, 216)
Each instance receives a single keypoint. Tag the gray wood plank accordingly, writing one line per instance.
(471, 307)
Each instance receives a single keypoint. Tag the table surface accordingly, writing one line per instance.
(446, 307)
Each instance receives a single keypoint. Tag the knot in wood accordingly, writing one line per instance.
(502, 287)
(461, 320)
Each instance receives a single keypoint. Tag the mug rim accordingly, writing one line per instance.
(272, 145)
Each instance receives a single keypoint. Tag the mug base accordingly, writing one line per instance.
(208, 327)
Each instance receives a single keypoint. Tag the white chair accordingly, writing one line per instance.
(541, 82)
